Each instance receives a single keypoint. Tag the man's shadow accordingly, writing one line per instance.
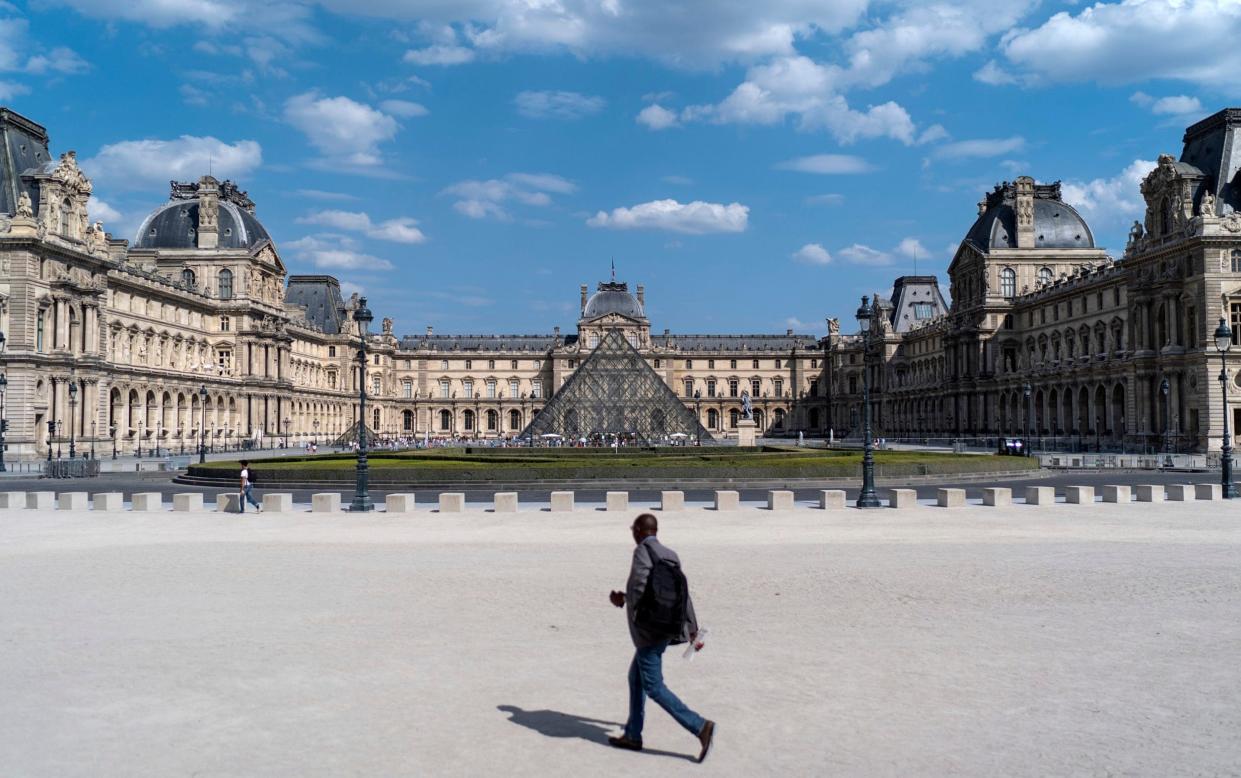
(553, 723)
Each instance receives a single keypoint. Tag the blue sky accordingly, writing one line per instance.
(469, 163)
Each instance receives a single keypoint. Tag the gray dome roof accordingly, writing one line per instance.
(1056, 224)
(613, 297)
(174, 225)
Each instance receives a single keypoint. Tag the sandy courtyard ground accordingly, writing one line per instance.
(1028, 641)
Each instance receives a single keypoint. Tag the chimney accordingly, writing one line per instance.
(208, 213)
(583, 308)
(1024, 188)
(789, 331)
(642, 295)
(430, 330)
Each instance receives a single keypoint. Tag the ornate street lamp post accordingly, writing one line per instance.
(867, 497)
(51, 433)
(4, 423)
(93, 434)
(287, 423)
(1164, 390)
(361, 498)
(202, 426)
(1025, 444)
(140, 425)
(698, 415)
(112, 432)
(1223, 342)
(316, 440)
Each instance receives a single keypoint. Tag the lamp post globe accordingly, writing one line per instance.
(361, 497)
(202, 426)
(1223, 342)
(867, 497)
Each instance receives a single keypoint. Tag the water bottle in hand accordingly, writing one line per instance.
(695, 645)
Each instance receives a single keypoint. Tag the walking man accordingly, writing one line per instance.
(660, 613)
(247, 489)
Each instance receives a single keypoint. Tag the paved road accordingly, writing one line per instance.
(161, 482)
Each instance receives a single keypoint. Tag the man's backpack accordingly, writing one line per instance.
(661, 609)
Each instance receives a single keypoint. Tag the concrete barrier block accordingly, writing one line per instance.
(1079, 495)
(108, 501)
(12, 500)
(779, 500)
(452, 502)
(997, 496)
(902, 498)
(672, 501)
(1117, 493)
(229, 502)
(187, 501)
(1209, 491)
(72, 501)
(832, 499)
(1040, 495)
(727, 500)
(325, 502)
(147, 501)
(1180, 492)
(562, 501)
(950, 498)
(618, 501)
(41, 501)
(278, 502)
(506, 502)
(1150, 493)
(400, 503)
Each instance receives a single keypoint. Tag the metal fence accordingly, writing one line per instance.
(71, 468)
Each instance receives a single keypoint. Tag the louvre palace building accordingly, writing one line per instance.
(195, 326)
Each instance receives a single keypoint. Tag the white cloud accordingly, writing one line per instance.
(142, 163)
(487, 199)
(677, 180)
(1110, 202)
(826, 164)
(1175, 105)
(405, 109)
(344, 131)
(656, 117)
(399, 230)
(798, 324)
(557, 105)
(1134, 41)
(101, 211)
(995, 75)
(981, 147)
(860, 254)
(10, 89)
(812, 254)
(831, 198)
(440, 55)
(289, 20)
(912, 248)
(59, 60)
(319, 194)
(694, 218)
(335, 252)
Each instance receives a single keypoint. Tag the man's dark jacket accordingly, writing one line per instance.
(639, 572)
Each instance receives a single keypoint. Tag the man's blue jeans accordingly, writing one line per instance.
(646, 679)
(248, 495)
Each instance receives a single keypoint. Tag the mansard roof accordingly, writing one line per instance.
(1056, 224)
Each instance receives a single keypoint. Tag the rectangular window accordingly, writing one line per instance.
(536, 388)
(814, 364)
(38, 337)
(1116, 295)
(377, 362)
(409, 389)
(657, 363)
(710, 388)
(710, 364)
(733, 388)
(491, 390)
(469, 364)
(852, 384)
(225, 324)
(224, 359)
(755, 387)
(732, 363)
(538, 363)
(778, 364)
(513, 365)
(514, 389)
(754, 364)
(1236, 323)
(376, 386)
(594, 340)
(467, 388)
(689, 364)
(331, 351)
(444, 390)
(689, 387)
(491, 364)
(923, 310)
(443, 364)
(778, 387)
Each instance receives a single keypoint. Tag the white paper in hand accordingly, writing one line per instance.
(695, 645)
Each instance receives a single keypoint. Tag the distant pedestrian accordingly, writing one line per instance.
(660, 613)
(247, 489)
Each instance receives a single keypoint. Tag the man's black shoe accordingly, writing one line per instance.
(704, 737)
(624, 742)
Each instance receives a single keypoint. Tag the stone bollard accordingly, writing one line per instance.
(618, 501)
(505, 502)
(109, 501)
(72, 501)
(1209, 491)
(228, 502)
(11, 500)
(400, 503)
(187, 501)
(950, 498)
(902, 498)
(831, 499)
(672, 501)
(452, 502)
(1040, 495)
(278, 502)
(147, 501)
(1150, 493)
(1079, 495)
(325, 502)
(727, 500)
(779, 500)
(40, 501)
(1117, 493)
(997, 496)
(562, 501)
(1180, 492)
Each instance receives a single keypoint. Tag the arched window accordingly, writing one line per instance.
(38, 337)
(733, 417)
(226, 284)
(469, 421)
(1008, 283)
(407, 421)
(66, 218)
(779, 414)
(713, 419)
(514, 420)
(375, 417)
(493, 421)
(187, 277)
(1166, 219)
(1045, 275)
(445, 421)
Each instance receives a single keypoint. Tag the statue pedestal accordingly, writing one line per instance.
(746, 432)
